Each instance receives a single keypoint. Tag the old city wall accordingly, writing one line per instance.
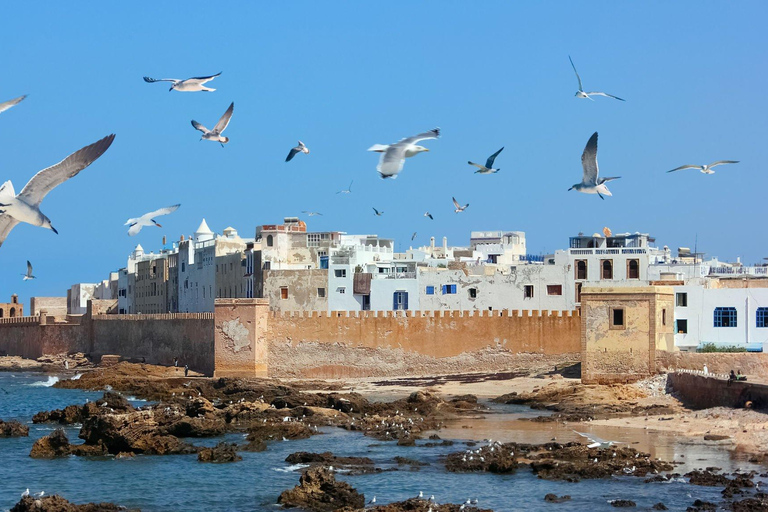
(371, 343)
(749, 363)
(700, 391)
(31, 337)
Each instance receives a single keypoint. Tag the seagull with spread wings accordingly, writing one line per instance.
(413, 236)
(458, 207)
(193, 84)
(347, 190)
(311, 214)
(706, 169)
(28, 275)
(393, 155)
(581, 94)
(377, 212)
(10, 103)
(488, 167)
(596, 442)
(216, 133)
(590, 182)
(148, 219)
(301, 148)
(25, 207)
(429, 215)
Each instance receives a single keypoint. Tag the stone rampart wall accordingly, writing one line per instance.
(701, 392)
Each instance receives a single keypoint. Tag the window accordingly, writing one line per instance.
(664, 316)
(617, 318)
(682, 326)
(269, 240)
(449, 289)
(340, 272)
(183, 266)
(430, 290)
(400, 301)
(283, 292)
(606, 269)
(528, 291)
(725, 317)
(472, 293)
(681, 300)
(762, 317)
(554, 289)
(581, 269)
(633, 269)
(313, 239)
(342, 290)
(321, 292)
(578, 292)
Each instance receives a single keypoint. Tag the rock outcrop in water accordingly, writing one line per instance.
(222, 452)
(110, 403)
(319, 491)
(135, 432)
(13, 429)
(58, 504)
(497, 458)
(57, 445)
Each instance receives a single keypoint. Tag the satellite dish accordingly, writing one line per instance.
(607, 232)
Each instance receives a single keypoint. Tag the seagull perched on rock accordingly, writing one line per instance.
(40, 494)
(459, 208)
(347, 190)
(10, 103)
(590, 183)
(373, 500)
(216, 133)
(25, 207)
(488, 167)
(25, 493)
(706, 169)
(194, 84)
(301, 148)
(377, 212)
(596, 442)
(311, 214)
(581, 94)
(28, 275)
(148, 219)
(394, 155)
(427, 214)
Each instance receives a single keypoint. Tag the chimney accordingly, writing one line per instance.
(432, 245)
(164, 241)
(181, 239)
(445, 245)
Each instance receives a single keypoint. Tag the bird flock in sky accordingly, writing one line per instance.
(25, 206)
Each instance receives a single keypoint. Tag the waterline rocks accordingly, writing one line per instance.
(57, 445)
(222, 452)
(13, 429)
(319, 491)
(58, 504)
(110, 403)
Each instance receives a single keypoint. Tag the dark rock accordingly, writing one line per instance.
(58, 504)
(754, 504)
(659, 506)
(196, 427)
(434, 437)
(57, 445)
(289, 430)
(327, 459)
(499, 458)
(319, 491)
(706, 478)
(405, 461)
(714, 437)
(110, 403)
(623, 503)
(702, 506)
(135, 432)
(13, 429)
(574, 462)
(222, 452)
(554, 498)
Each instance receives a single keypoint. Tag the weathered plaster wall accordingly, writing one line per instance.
(31, 337)
(54, 306)
(752, 364)
(303, 289)
(242, 347)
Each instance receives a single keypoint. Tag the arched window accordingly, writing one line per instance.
(633, 269)
(12, 312)
(606, 267)
(269, 240)
(581, 269)
(2, 312)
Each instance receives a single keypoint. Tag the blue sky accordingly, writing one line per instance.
(342, 76)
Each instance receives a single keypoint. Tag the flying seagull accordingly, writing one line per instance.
(427, 214)
(459, 208)
(25, 207)
(301, 148)
(581, 94)
(377, 212)
(148, 219)
(596, 442)
(189, 85)
(215, 134)
(10, 103)
(590, 183)
(394, 155)
(706, 169)
(488, 167)
(28, 275)
(413, 236)
(311, 214)
(347, 190)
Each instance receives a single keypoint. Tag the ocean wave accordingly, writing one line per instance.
(292, 468)
(48, 383)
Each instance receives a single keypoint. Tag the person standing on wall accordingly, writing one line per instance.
(186, 370)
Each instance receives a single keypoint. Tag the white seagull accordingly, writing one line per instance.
(25, 207)
(25, 493)
(311, 214)
(581, 94)
(28, 275)
(706, 169)
(40, 494)
(394, 155)
(148, 219)
(301, 148)
(189, 85)
(373, 500)
(10, 103)
(427, 214)
(347, 190)
(488, 167)
(459, 208)
(590, 183)
(216, 133)
(377, 212)
(596, 442)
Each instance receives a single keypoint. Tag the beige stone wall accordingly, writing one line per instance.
(241, 346)
(230, 275)
(753, 364)
(54, 306)
(302, 287)
(151, 286)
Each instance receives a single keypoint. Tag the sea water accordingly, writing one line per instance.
(181, 483)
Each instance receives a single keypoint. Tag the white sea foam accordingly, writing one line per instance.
(48, 383)
(76, 376)
(292, 468)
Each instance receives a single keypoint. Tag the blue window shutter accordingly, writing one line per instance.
(394, 301)
(405, 300)
(445, 289)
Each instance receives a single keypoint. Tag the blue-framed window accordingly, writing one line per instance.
(762, 317)
(430, 290)
(400, 301)
(725, 317)
(449, 289)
